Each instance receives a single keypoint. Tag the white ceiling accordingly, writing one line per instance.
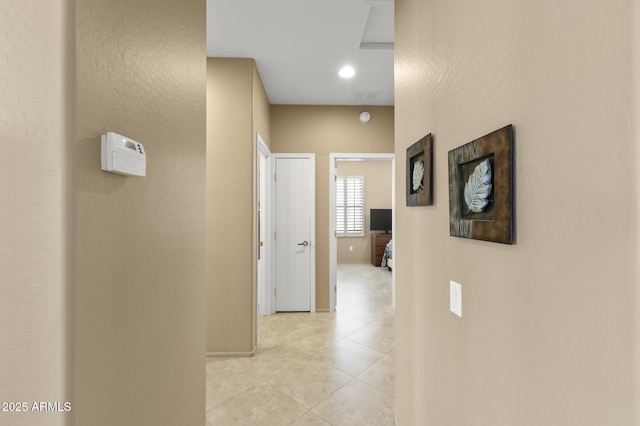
(299, 46)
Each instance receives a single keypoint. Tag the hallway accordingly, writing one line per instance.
(315, 369)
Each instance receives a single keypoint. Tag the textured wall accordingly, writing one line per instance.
(237, 108)
(261, 113)
(323, 130)
(377, 195)
(261, 108)
(547, 333)
(634, 16)
(34, 115)
(140, 262)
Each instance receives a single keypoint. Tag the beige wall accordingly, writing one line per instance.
(140, 242)
(237, 108)
(323, 130)
(261, 113)
(35, 114)
(547, 335)
(377, 195)
(634, 17)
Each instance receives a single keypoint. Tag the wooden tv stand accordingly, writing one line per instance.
(378, 243)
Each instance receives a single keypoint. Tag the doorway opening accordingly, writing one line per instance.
(335, 160)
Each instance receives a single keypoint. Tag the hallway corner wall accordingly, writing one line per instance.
(35, 115)
(549, 326)
(139, 338)
(237, 109)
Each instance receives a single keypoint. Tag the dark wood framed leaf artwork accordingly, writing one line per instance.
(481, 188)
(420, 172)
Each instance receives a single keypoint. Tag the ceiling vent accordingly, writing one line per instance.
(365, 98)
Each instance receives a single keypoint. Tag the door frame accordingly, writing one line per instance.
(267, 304)
(333, 239)
(312, 225)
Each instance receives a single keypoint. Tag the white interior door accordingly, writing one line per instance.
(295, 232)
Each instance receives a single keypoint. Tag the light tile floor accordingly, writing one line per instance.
(315, 369)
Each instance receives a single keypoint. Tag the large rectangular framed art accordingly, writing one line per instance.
(481, 188)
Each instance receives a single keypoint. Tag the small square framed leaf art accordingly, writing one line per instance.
(420, 172)
(481, 188)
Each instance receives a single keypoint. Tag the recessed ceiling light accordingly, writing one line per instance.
(347, 72)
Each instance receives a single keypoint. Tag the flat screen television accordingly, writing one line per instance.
(380, 220)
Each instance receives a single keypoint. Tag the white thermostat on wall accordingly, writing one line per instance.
(122, 155)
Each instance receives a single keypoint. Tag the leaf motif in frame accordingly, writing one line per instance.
(478, 188)
(418, 175)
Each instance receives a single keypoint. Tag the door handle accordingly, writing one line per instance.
(304, 243)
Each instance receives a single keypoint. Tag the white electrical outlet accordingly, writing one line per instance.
(455, 298)
(350, 248)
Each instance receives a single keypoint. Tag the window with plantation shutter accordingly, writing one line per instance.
(350, 206)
